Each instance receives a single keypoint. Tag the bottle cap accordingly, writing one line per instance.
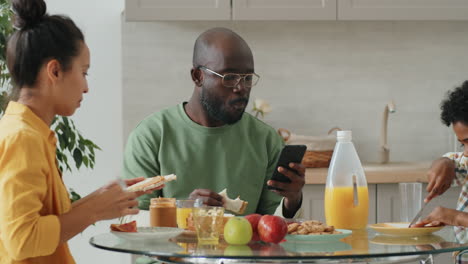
(344, 135)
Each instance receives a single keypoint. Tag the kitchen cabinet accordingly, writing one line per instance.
(153, 10)
(402, 10)
(393, 172)
(147, 10)
(284, 10)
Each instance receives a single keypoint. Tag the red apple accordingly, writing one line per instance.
(255, 237)
(272, 228)
(253, 219)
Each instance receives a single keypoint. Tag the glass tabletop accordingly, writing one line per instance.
(360, 244)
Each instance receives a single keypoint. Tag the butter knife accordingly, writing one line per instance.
(418, 215)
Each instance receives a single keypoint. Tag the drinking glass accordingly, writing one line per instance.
(208, 223)
(184, 208)
(410, 200)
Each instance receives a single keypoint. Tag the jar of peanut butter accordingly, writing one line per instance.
(163, 212)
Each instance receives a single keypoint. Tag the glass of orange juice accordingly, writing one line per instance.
(184, 208)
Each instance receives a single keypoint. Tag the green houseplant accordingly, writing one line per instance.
(71, 144)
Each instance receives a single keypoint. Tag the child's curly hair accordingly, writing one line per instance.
(455, 106)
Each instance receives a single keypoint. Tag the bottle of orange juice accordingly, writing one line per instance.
(346, 194)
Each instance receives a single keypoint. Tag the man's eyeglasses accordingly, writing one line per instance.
(232, 79)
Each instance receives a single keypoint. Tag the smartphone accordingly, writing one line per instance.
(290, 153)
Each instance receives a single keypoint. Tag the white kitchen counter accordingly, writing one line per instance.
(393, 172)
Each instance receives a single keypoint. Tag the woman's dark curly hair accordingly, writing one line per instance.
(455, 106)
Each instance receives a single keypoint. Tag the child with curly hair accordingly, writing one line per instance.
(451, 169)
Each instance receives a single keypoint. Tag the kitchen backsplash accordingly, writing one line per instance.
(317, 75)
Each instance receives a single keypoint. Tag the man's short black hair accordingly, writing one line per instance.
(455, 106)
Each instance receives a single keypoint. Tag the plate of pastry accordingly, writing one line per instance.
(312, 230)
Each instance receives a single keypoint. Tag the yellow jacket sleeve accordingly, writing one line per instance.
(24, 182)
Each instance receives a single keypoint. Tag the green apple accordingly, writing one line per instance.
(237, 231)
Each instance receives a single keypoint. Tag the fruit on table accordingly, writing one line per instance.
(237, 231)
(255, 237)
(253, 219)
(272, 228)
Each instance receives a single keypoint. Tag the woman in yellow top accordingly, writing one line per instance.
(48, 60)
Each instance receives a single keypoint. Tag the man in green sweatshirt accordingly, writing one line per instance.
(210, 143)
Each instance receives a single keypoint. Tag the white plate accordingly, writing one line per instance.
(402, 229)
(150, 233)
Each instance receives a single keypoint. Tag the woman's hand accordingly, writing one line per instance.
(111, 201)
(107, 202)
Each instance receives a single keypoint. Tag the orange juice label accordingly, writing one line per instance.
(340, 210)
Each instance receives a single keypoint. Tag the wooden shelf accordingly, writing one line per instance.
(393, 172)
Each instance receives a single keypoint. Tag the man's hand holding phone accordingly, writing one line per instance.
(288, 179)
(293, 189)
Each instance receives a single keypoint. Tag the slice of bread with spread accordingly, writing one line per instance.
(151, 183)
(236, 206)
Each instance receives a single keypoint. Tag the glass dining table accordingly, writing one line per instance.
(362, 246)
